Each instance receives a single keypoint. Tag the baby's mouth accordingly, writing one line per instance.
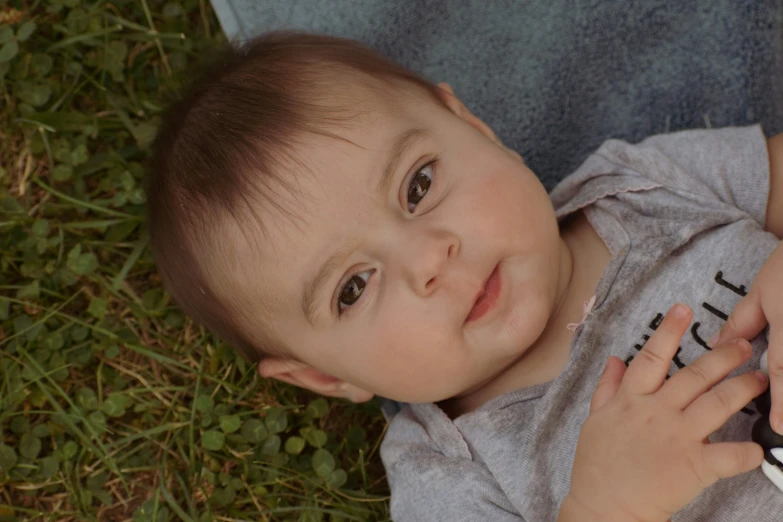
(487, 297)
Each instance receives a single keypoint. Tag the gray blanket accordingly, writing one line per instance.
(555, 78)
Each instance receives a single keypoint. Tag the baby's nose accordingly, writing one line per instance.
(430, 262)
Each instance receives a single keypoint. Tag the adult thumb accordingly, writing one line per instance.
(609, 383)
(745, 321)
(727, 459)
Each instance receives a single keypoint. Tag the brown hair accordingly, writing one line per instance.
(227, 141)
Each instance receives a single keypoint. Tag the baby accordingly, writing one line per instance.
(355, 230)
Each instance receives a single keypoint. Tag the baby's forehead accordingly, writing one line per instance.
(279, 227)
(373, 101)
(244, 258)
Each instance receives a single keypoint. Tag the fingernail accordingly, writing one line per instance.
(745, 346)
(680, 310)
(714, 340)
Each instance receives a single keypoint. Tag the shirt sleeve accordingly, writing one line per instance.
(428, 484)
(730, 164)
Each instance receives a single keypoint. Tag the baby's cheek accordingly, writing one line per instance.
(484, 205)
(417, 334)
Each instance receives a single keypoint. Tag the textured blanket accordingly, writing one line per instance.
(555, 78)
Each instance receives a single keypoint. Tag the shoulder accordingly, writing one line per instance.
(432, 475)
(724, 168)
(418, 430)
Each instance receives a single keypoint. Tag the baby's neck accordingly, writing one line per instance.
(583, 257)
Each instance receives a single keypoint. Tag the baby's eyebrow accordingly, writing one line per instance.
(401, 144)
(405, 141)
(314, 288)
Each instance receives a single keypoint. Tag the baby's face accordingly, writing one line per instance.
(375, 282)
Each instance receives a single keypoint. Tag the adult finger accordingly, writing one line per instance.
(727, 459)
(691, 382)
(610, 381)
(746, 320)
(775, 370)
(710, 411)
(649, 368)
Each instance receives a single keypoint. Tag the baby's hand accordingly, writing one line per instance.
(643, 453)
(764, 305)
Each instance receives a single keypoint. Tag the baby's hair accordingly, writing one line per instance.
(226, 144)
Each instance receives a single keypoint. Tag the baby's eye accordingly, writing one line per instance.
(352, 290)
(419, 185)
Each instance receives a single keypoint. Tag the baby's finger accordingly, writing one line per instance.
(691, 382)
(648, 370)
(610, 381)
(710, 411)
(727, 459)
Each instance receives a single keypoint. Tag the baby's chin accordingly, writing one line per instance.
(468, 385)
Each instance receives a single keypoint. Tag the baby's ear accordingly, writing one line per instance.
(305, 376)
(456, 106)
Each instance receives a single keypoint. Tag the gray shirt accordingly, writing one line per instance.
(683, 215)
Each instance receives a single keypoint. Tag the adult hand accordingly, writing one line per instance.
(763, 305)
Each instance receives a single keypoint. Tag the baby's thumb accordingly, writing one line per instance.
(610, 381)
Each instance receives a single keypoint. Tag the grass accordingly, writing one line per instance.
(113, 405)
